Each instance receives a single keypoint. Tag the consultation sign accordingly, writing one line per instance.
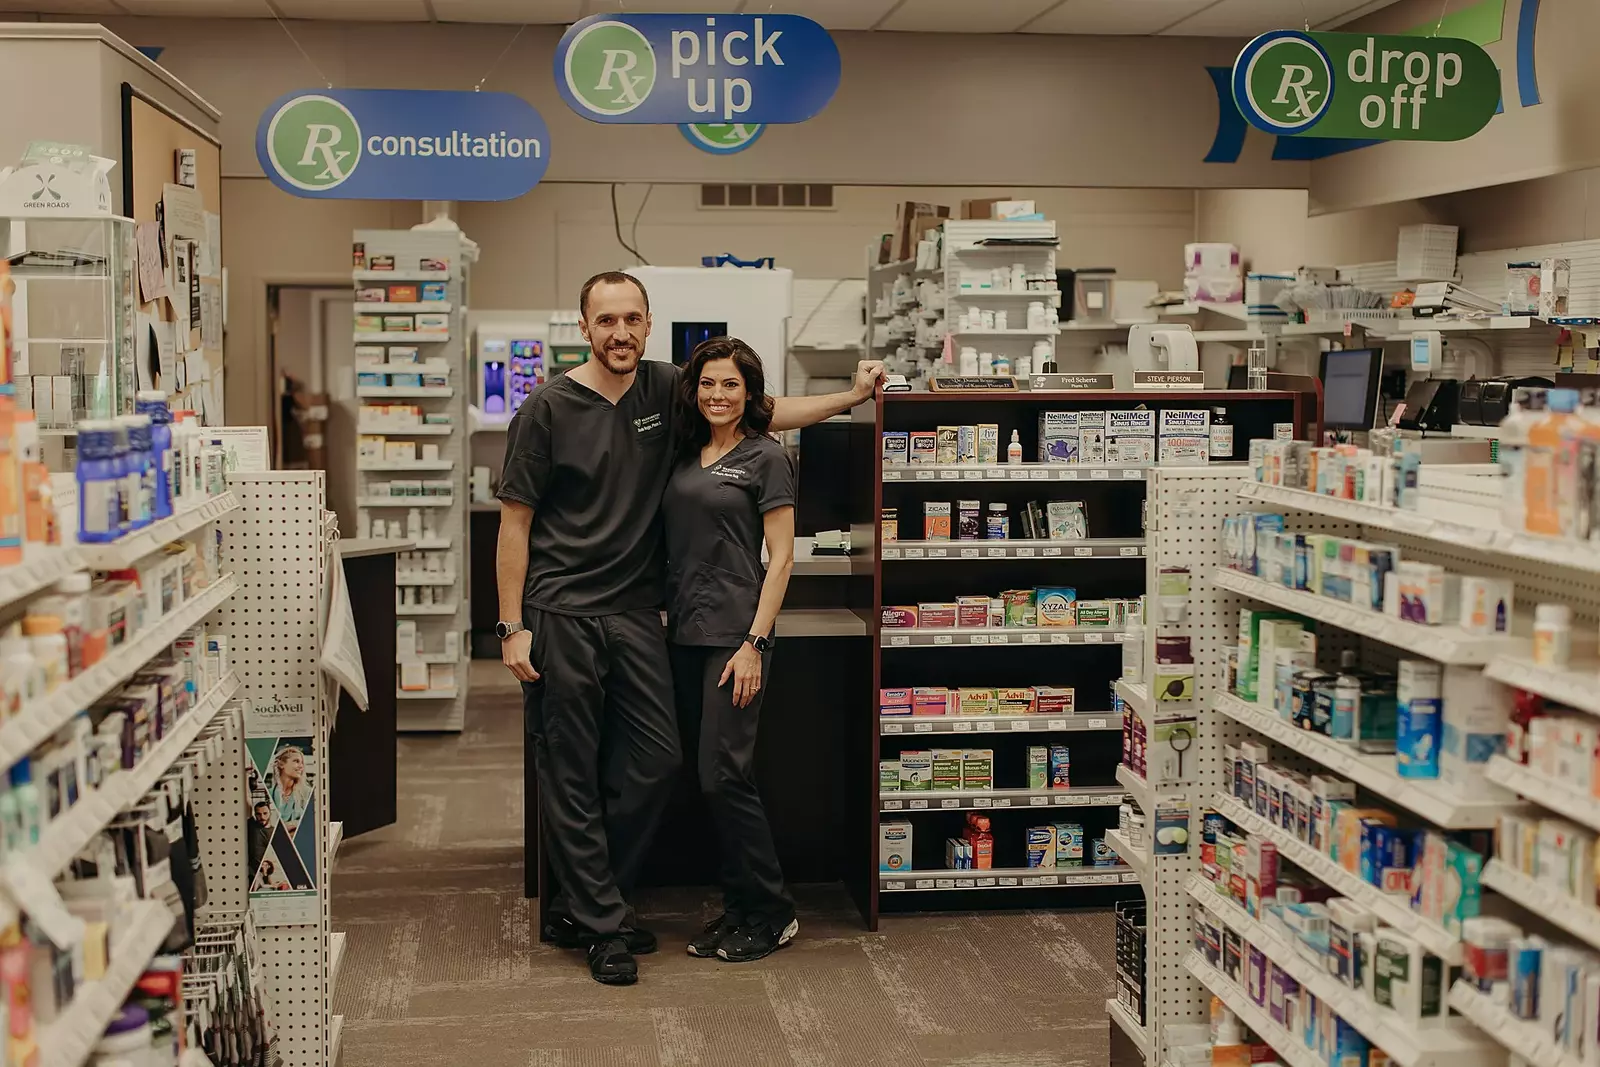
(402, 144)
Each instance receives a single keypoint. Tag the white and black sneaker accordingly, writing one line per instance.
(711, 938)
(754, 941)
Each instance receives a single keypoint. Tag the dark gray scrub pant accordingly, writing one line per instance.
(605, 750)
(723, 740)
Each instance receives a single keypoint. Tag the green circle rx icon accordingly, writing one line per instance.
(610, 68)
(722, 138)
(1284, 82)
(314, 142)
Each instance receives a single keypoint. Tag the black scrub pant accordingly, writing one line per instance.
(606, 752)
(722, 739)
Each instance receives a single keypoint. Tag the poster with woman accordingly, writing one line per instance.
(281, 833)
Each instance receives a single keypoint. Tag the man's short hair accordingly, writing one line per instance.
(610, 277)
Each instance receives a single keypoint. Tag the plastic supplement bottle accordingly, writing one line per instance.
(99, 491)
(153, 402)
(141, 476)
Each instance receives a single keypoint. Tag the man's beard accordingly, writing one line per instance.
(623, 361)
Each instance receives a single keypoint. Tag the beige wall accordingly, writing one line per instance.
(1275, 230)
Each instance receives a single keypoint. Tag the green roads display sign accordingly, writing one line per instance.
(1364, 86)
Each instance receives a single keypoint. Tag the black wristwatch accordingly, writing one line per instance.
(503, 630)
(760, 644)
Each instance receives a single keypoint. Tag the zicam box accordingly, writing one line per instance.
(894, 845)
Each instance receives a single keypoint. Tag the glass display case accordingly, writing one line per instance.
(74, 310)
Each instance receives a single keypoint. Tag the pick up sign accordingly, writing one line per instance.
(1365, 86)
(696, 68)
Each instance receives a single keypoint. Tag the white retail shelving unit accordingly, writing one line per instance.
(443, 518)
(894, 725)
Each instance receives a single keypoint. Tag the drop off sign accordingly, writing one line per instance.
(699, 68)
(1365, 86)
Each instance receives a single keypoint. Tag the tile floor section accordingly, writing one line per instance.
(444, 966)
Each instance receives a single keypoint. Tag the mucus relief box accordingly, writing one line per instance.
(894, 845)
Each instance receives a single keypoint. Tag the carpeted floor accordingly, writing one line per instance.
(443, 966)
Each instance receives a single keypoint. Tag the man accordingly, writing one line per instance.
(580, 574)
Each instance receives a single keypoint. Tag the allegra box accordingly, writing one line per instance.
(903, 617)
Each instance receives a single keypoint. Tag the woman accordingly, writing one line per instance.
(732, 486)
(290, 792)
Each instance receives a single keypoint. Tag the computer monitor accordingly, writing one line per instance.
(1238, 376)
(1350, 388)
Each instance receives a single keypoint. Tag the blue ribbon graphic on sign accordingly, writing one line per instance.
(696, 68)
(402, 144)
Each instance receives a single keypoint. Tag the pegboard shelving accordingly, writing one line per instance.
(1294, 1051)
(1539, 788)
(67, 1040)
(41, 567)
(1130, 1026)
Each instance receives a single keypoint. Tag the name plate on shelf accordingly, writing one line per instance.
(1004, 384)
(1045, 383)
(1169, 379)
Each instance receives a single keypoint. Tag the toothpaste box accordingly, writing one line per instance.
(1091, 437)
(1058, 437)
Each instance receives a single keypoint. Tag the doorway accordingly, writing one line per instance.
(313, 375)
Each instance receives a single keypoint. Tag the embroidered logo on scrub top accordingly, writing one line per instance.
(647, 423)
(727, 472)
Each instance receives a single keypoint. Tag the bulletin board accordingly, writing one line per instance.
(180, 346)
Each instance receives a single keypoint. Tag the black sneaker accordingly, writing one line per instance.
(568, 934)
(610, 962)
(756, 940)
(711, 938)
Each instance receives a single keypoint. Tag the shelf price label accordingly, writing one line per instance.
(1053, 550)
(1003, 639)
(982, 802)
(1097, 724)
(894, 805)
(893, 728)
(1024, 552)
(1020, 726)
(949, 802)
(1056, 724)
(1038, 802)
(972, 476)
(980, 639)
(986, 727)
(915, 553)
(1093, 639)
(899, 640)
(969, 553)
(1030, 639)
(994, 473)
(949, 475)
(919, 804)
(996, 552)
(1099, 475)
(1083, 550)
(924, 476)
(1130, 550)
(922, 727)
(891, 553)
(943, 639)
(938, 553)
(1019, 475)
(963, 727)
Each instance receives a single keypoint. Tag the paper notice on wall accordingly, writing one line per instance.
(212, 262)
(152, 280)
(195, 368)
(144, 363)
(210, 313)
(183, 213)
(182, 271)
(166, 354)
(245, 448)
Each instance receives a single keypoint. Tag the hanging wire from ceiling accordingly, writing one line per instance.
(496, 64)
(327, 81)
(1444, 7)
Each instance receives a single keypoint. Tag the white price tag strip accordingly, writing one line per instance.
(893, 728)
(1099, 475)
(36, 895)
(1056, 724)
(919, 805)
(1054, 550)
(924, 476)
(1097, 724)
(969, 553)
(922, 727)
(1020, 726)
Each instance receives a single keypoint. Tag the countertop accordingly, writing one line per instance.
(351, 547)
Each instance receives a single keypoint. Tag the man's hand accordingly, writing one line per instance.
(869, 372)
(514, 652)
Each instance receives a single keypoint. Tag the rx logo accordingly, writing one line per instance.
(1285, 84)
(45, 189)
(610, 68)
(722, 138)
(314, 142)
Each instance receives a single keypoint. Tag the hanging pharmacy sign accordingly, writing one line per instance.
(402, 144)
(722, 138)
(696, 68)
(1361, 85)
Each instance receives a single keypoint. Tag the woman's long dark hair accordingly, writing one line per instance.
(694, 432)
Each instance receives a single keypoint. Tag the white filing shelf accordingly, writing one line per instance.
(1571, 914)
(400, 337)
(406, 392)
(1130, 1026)
(336, 951)
(71, 1036)
(1544, 791)
(422, 307)
(1527, 1038)
(1392, 910)
(1408, 1047)
(986, 799)
(413, 430)
(409, 465)
(35, 723)
(41, 567)
(1432, 799)
(405, 502)
(126, 551)
(400, 275)
(1447, 644)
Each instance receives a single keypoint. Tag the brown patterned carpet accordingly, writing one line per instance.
(444, 968)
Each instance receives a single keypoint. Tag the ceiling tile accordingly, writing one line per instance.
(355, 10)
(199, 9)
(1246, 18)
(964, 16)
(635, 7)
(1113, 16)
(512, 11)
(834, 14)
(63, 7)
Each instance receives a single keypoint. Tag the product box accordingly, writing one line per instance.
(947, 445)
(1184, 450)
(1186, 422)
(1419, 723)
(1054, 699)
(432, 323)
(975, 701)
(947, 768)
(1058, 437)
(936, 616)
(967, 444)
(1130, 450)
(894, 702)
(1057, 606)
(1093, 614)
(1486, 605)
(896, 445)
(972, 612)
(1020, 607)
(930, 700)
(1060, 767)
(1017, 700)
(399, 323)
(1069, 844)
(988, 443)
(1408, 980)
(1104, 854)
(435, 291)
(916, 771)
(894, 845)
(1476, 714)
(977, 768)
(1091, 437)
(902, 617)
(924, 447)
(1067, 520)
(370, 447)
(1039, 767)
(402, 294)
(888, 776)
(1041, 846)
(936, 520)
(1139, 422)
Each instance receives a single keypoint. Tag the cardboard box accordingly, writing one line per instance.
(983, 207)
(914, 218)
(894, 845)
